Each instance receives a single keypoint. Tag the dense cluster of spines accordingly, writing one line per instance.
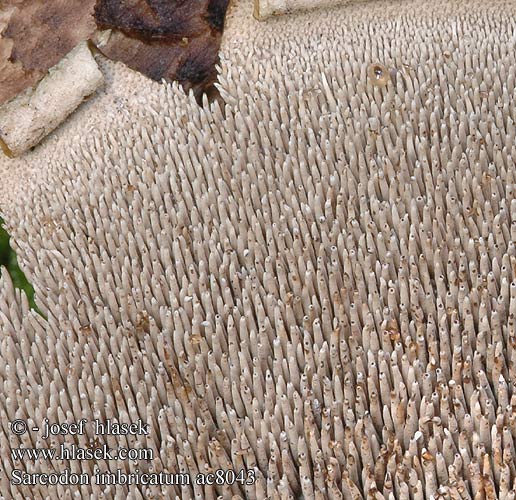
(316, 280)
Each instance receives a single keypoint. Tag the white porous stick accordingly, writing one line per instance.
(28, 118)
(267, 8)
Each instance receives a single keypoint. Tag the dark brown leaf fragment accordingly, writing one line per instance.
(174, 40)
(35, 35)
(216, 12)
(152, 19)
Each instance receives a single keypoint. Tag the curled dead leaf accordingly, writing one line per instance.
(171, 40)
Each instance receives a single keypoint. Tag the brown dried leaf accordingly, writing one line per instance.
(174, 40)
(191, 63)
(151, 19)
(36, 35)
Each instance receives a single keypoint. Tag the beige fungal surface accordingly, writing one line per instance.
(313, 277)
